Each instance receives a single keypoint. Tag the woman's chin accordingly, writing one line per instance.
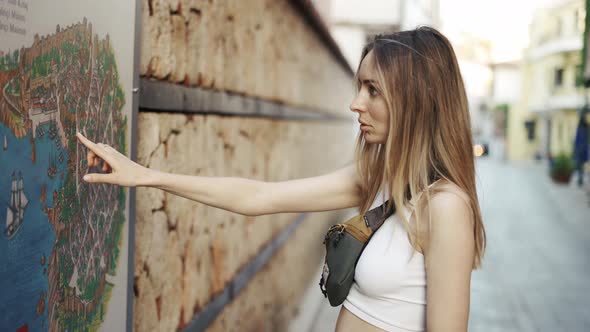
(370, 139)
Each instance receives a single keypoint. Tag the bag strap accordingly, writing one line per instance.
(374, 218)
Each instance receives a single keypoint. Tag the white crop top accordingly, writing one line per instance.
(389, 290)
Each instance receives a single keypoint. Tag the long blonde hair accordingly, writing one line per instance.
(429, 125)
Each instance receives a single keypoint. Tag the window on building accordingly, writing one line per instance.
(580, 16)
(559, 27)
(530, 126)
(558, 77)
(579, 76)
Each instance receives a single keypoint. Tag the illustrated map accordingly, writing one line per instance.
(61, 238)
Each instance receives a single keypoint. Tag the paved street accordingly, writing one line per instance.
(536, 270)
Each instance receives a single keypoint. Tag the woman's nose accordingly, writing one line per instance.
(356, 105)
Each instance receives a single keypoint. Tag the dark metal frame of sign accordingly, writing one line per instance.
(133, 155)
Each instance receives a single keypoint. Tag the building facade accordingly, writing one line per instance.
(543, 123)
(353, 22)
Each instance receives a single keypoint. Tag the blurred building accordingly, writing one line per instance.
(503, 96)
(544, 120)
(506, 82)
(353, 22)
(491, 88)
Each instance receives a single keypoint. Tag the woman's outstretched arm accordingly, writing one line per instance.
(336, 190)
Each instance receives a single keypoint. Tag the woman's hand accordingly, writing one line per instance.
(119, 169)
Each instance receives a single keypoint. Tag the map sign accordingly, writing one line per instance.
(66, 66)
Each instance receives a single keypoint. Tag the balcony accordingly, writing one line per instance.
(556, 46)
(558, 102)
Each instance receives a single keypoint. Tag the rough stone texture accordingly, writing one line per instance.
(261, 48)
(186, 252)
(271, 298)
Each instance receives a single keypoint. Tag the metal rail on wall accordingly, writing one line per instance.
(158, 96)
(207, 315)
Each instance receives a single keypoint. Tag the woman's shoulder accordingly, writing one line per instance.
(446, 191)
(448, 208)
(443, 195)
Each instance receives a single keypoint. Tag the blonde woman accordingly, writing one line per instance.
(414, 148)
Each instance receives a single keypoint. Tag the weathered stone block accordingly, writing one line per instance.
(261, 48)
(178, 52)
(160, 26)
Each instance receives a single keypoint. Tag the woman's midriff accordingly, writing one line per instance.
(348, 322)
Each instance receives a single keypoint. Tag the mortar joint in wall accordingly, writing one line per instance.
(135, 287)
(160, 209)
(171, 226)
(159, 306)
(146, 269)
(245, 134)
(176, 12)
(164, 142)
(150, 7)
(196, 308)
(183, 261)
(164, 208)
(181, 320)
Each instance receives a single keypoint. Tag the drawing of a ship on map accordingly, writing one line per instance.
(16, 207)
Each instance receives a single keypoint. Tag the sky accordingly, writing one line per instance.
(503, 22)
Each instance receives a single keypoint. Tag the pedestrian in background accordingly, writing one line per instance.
(581, 146)
(415, 137)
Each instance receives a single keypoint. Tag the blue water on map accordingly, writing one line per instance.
(22, 276)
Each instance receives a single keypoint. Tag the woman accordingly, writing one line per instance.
(415, 138)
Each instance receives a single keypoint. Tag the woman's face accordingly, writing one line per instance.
(369, 103)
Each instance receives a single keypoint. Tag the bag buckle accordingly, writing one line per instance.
(338, 229)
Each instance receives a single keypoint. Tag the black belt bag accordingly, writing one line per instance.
(344, 244)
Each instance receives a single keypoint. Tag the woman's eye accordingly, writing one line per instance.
(372, 91)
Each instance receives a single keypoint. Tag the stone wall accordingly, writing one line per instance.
(261, 48)
(186, 252)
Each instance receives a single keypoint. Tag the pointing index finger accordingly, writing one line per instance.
(88, 143)
(92, 146)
